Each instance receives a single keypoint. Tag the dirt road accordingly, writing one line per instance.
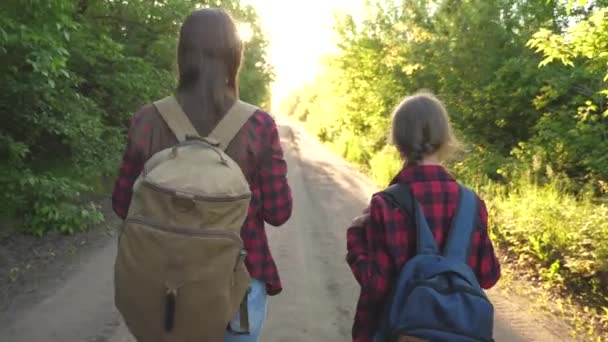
(320, 293)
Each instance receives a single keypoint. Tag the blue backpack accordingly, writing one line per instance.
(437, 296)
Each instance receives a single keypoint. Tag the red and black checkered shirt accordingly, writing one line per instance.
(264, 167)
(379, 249)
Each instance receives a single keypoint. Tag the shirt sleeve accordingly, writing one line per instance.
(371, 264)
(130, 168)
(368, 254)
(276, 193)
(485, 263)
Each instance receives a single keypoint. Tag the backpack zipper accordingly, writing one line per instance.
(453, 289)
(188, 231)
(195, 197)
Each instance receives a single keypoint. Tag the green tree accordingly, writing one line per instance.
(71, 74)
(574, 137)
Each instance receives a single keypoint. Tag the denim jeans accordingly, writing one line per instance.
(257, 305)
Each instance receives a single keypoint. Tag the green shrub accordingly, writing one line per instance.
(479, 166)
(385, 165)
(352, 148)
(48, 203)
(565, 236)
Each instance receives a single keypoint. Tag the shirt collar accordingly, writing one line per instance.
(422, 173)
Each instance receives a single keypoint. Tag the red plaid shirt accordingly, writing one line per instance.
(379, 249)
(264, 167)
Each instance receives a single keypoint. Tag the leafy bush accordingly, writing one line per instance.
(352, 148)
(566, 237)
(385, 165)
(53, 204)
(481, 165)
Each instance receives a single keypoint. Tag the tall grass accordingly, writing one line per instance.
(565, 237)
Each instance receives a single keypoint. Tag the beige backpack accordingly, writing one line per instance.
(179, 273)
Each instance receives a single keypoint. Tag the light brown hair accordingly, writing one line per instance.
(209, 57)
(421, 128)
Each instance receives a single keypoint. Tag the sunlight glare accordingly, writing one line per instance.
(299, 34)
(245, 32)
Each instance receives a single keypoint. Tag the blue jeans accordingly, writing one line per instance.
(257, 305)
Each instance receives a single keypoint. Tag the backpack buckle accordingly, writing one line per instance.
(211, 141)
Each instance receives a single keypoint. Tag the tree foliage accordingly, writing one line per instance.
(482, 58)
(71, 74)
(579, 129)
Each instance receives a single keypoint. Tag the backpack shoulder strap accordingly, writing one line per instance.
(464, 224)
(175, 118)
(402, 197)
(232, 123)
